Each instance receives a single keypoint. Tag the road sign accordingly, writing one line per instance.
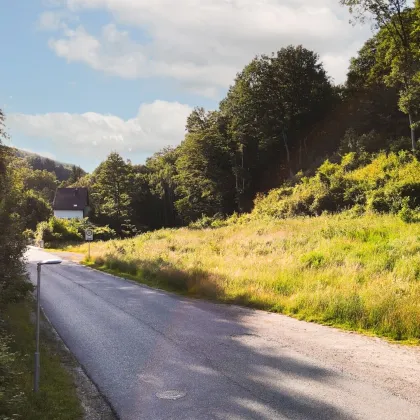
(89, 234)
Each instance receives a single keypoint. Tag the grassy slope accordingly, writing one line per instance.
(57, 398)
(358, 273)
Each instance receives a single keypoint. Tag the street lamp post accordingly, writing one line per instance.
(38, 305)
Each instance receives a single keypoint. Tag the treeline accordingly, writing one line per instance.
(283, 115)
(13, 284)
(62, 171)
(37, 179)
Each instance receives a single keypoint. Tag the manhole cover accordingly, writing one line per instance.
(171, 395)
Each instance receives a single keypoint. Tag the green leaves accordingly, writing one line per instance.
(395, 59)
(111, 191)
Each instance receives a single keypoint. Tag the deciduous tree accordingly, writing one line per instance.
(397, 57)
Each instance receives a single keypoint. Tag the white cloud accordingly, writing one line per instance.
(203, 43)
(55, 20)
(155, 126)
(50, 21)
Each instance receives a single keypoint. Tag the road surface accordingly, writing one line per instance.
(155, 355)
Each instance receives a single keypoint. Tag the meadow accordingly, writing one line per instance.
(360, 273)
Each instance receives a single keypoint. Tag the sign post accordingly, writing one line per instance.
(89, 239)
(38, 310)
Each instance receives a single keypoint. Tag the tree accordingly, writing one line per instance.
(396, 58)
(197, 120)
(42, 182)
(271, 110)
(33, 209)
(161, 173)
(111, 192)
(12, 244)
(369, 103)
(76, 173)
(205, 180)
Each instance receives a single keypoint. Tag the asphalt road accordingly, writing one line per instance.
(155, 355)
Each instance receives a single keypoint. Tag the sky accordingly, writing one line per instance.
(82, 78)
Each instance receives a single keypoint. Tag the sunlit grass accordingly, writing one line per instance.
(362, 274)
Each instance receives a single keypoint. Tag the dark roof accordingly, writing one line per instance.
(71, 199)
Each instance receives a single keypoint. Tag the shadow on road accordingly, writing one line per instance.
(143, 342)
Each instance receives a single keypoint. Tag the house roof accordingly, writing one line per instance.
(71, 199)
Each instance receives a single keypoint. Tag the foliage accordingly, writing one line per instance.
(110, 192)
(208, 222)
(36, 191)
(57, 398)
(12, 243)
(56, 231)
(395, 56)
(156, 184)
(382, 183)
(205, 181)
(43, 183)
(33, 209)
(61, 171)
(274, 104)
(13, 284)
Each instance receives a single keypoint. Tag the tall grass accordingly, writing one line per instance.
(360, 273)
(57, 398)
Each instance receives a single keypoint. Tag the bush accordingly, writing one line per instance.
(29, 235)
(383, 183)
(408, 215)
(103, 233)
(208, 222)
(57, 230)
(62, 230)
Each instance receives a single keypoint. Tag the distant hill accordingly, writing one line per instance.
(62, 170)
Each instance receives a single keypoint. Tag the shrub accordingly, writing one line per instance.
(57, 230)
(104, 233)
(408, 215)
(382, 183)
(208, 222)
(73, 230)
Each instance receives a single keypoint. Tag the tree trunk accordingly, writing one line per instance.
(300, 152)
(413, 133)
(243, 171)
(287, 153)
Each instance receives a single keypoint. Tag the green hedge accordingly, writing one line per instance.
(73, 230)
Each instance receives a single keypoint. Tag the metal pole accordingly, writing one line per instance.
(38, 303)
(88, 250)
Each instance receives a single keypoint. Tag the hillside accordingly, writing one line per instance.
(61, 170)
(359, 268)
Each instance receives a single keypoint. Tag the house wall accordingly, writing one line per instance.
(68, 214)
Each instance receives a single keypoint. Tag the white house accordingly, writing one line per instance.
(71, 203)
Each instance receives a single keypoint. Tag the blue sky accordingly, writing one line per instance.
(80, 78)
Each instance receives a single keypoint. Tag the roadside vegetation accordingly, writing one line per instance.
(55, 232)
(360, 273)
(57, 397)
(358, 268)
